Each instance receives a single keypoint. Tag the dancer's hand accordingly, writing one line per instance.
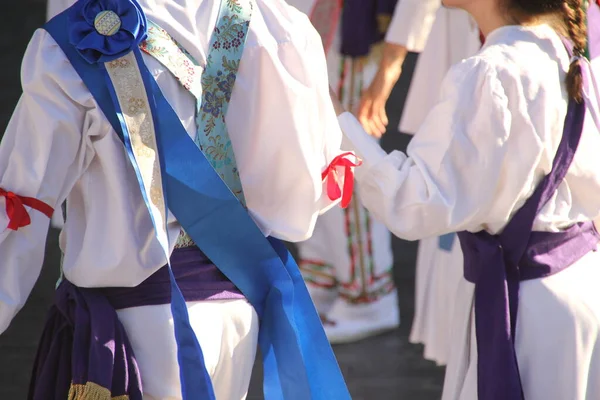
(371, 111)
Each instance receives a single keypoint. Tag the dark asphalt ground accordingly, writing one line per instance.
(381, 368)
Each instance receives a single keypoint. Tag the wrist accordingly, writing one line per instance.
(392, 60)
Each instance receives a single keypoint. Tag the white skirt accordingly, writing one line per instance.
(557, 337)
(228, 334)
(423, 274)
(349, 249)
(438, 275)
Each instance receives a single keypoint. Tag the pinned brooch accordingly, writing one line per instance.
(104, 30)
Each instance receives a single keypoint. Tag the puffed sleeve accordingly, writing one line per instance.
(411, 23)
(465, 168)
(42, 154)
(291, 133)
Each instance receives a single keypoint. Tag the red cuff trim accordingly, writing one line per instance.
(18, 217)
(334, 187)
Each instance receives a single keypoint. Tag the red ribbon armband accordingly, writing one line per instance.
(18, 217)
(335, 188)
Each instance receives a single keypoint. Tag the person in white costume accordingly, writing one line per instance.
(443, 36)
(474, 163)
(59, 146)
(347, 263)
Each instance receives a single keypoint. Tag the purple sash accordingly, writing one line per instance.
(497, 263)
(361, 26)
(197, 277)
(84, 351)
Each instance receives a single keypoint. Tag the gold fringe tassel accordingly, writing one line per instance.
(92, 391)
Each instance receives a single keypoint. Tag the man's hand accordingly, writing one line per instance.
(371, 111)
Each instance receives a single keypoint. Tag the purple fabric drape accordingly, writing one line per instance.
(83, 346)
(360, 25)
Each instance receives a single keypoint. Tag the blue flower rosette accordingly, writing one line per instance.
(104, 30)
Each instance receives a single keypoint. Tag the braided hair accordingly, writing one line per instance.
(573, 16)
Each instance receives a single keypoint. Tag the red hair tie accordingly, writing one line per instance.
(334, 191)
(18, 217)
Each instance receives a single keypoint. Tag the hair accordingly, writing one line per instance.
(574, 23)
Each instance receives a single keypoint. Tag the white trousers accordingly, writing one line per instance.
(228, 334)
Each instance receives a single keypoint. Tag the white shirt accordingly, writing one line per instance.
(411, 23)
(486, 145)
(58, 145)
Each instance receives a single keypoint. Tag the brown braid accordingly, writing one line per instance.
(574, 18)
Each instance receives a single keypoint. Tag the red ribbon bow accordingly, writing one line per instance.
(18, 217)
(334, 191)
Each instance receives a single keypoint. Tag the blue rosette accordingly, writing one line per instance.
(104, 30)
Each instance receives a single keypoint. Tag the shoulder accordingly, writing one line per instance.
(530, 60)
(474, 80)
(516, 63)
(275, 22)
(47, 73)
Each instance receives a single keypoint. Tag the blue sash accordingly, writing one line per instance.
(298, 360)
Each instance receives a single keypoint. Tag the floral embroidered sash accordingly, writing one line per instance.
(212, 85)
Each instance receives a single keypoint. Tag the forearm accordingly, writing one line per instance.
(391, 61)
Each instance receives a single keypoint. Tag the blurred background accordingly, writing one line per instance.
(385, 367)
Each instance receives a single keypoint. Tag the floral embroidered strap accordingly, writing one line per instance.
(18, 217)
(213, 86)
(160, 45)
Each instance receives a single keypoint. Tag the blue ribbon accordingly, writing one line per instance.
(298, 360)
(446, 242)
